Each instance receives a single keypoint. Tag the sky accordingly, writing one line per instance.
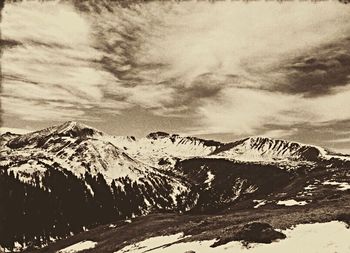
(222, 70)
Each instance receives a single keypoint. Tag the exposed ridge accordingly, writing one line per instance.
(270, 148)
(68, 129)
(183, 139)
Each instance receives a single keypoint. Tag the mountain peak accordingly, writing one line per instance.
(75, 129)
(67, 129)
(71, 123)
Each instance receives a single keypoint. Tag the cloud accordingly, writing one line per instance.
(246, 111)
(50, 71)
(242, 110)
(226, 67)
(316, 73)
(14, 130)
(34, 110)
(280, 133)
(343, 140)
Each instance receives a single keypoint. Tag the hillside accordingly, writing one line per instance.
(63, 180)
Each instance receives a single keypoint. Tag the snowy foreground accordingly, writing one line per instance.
(312, 238)
(78, 247)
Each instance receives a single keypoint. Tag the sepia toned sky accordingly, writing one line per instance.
(221, 70)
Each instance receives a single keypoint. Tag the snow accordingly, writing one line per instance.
(310, 187)
(311, 238)
(26, 170)
(119, 156)
(4, 249)
(150, 151)
(84, 245)
(209, 179)
(89, 189)
(343, 186)
(263, 149)
(260, 202)
(19, 247)
(151, 243)
(291, 202)
(308, 190)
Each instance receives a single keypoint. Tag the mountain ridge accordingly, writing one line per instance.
(258, 143)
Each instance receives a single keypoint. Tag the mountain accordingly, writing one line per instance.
(163, 150)
(74, 163)
(266, 149)
(55, 172)
(68, 129)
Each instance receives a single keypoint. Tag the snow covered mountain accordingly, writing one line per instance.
(80, 148)
(161, 149)
(68, 129)
(83, 150)
(73, 166)
(266, 149)
(157, 160)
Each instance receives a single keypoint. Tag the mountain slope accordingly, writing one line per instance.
(260, 148)
(119, 177)
(161, 149)
(73, 163)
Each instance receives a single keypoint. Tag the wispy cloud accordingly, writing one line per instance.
(227, 67)
(13, 130)
(50, 74)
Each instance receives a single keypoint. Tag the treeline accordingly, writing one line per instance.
(59, 203)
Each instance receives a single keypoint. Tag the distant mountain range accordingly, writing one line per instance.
(74, 166)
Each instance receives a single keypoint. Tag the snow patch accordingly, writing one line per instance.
(18, 247)
(310, 187)
(26, 170)
(84, 245)
(259, 202)
(291, 202)
(149, 244)
(343, 186)
(209, 179)
(312, 238)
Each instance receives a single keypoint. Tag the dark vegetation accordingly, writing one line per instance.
(60, 204)
(223, 226)
(232, 181)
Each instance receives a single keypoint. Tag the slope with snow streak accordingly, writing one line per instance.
(81, 149)
(75, 147)
(161, 148)
(67, 129)
(266, 149)
(312, 238)
(80, 246)
(79, 156)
